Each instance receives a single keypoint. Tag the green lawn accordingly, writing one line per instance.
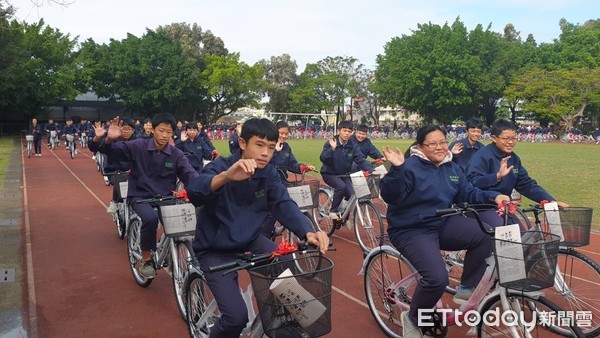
(570, 172)
(6, 147)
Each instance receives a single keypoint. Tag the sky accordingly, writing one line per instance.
(307, 30)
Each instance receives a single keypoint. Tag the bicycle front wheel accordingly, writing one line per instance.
(322, 211)
(202, 310)
(533, 315)
(134, 252)
(390, 282)
(576, 289)
(29, 149)
(368, 226)
(182, 254)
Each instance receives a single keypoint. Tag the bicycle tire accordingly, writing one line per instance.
(383, 270)
(199, 299)
(119, 218)
(180, 257)
(29, 149)
(71, 150)
(540, 306)
(134, 251)
(454, 261)
(581, 277)
(370, 232)
(321, 213)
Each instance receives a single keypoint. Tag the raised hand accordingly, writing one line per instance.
(183, 136)
(114, 129)
(279, 146)
(504, 168)
(332, 142)
(457, 149)
(395, 157)
(241, 170)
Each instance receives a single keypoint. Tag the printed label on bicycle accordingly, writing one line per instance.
(178, 219)
(553, 219)
(303, 306)
(301, 195)
(509, 253)
(359, 183)
(123, 189)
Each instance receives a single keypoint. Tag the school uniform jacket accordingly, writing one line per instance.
(230, 218)
(339, 161)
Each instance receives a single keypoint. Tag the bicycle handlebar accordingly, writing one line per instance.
(159, 199)
(464, 208)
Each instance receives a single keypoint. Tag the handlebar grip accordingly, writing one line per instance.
(449, 211)
(223, 266)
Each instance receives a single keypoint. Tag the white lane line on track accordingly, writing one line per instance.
(33, 329)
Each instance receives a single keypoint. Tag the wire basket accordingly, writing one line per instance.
(178, 219)
(29, 138)
(70, 137)
(576, 224)
(529, 265)
(294, 296)
(305, 194)
(366, 188)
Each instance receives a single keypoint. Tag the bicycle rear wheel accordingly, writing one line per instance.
(322, 211)
(202, 310)
(390, 282)
(180, 257)
(135, 252)
(368, 226)
(531, 312)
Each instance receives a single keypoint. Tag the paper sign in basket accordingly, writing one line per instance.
(359, 183)
(509, 251)
(380, 170)
(553, 219)
(178, 218)
(301, 195)
(303, 306)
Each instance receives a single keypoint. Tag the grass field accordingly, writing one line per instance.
(6, 147)
(570, 172)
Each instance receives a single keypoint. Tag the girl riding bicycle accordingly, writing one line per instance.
(414, 189)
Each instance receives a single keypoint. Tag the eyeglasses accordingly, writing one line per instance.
(127, 130)
(442, 144)
(508, 139)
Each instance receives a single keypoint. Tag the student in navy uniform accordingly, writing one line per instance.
(338, 156)
(498, 168)
(147, 129)
(365, 145)
(49, 128)
(235, 194)
(113, 164)
(414, 189)
(193, 146)
(204, 136)
(463, 150)
(233, 139)
(71, 129)
(156, 165)
(35, 129)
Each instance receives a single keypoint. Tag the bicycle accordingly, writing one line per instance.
(390, 281)
(173, 249)
(366, 220)
(53, 139)
(83, 140)
(124, 213)
(577, 281)
(309, 275)
(71, 145)
(29, 139)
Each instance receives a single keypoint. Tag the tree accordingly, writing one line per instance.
(36, 68)
(280, 75)
(230, 85)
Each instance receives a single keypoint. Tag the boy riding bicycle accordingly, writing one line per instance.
(156, 165)
(235, 195)
(338, 156)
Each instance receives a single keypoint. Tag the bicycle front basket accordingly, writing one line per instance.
(29, 138)
(529, 265)
(576, 224)
(294, 296)
(306, 195)
(178, 219)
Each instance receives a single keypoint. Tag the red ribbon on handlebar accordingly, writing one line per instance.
(182, 194)
(512, 208)
(284, 248)
(543, 202)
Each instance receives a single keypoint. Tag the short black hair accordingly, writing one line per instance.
(128, 122)
(501, 125)
(164, 118)
(474, 122)
(192, 125)
(346, 124)
(363, 128)
(282, 124)
(425, 130)
(262, 128)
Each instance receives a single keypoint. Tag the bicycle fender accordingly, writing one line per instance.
(385, 248)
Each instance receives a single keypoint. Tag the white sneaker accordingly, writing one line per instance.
(334, 215)
(94, 157)
(409, 330)
(112, 208)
